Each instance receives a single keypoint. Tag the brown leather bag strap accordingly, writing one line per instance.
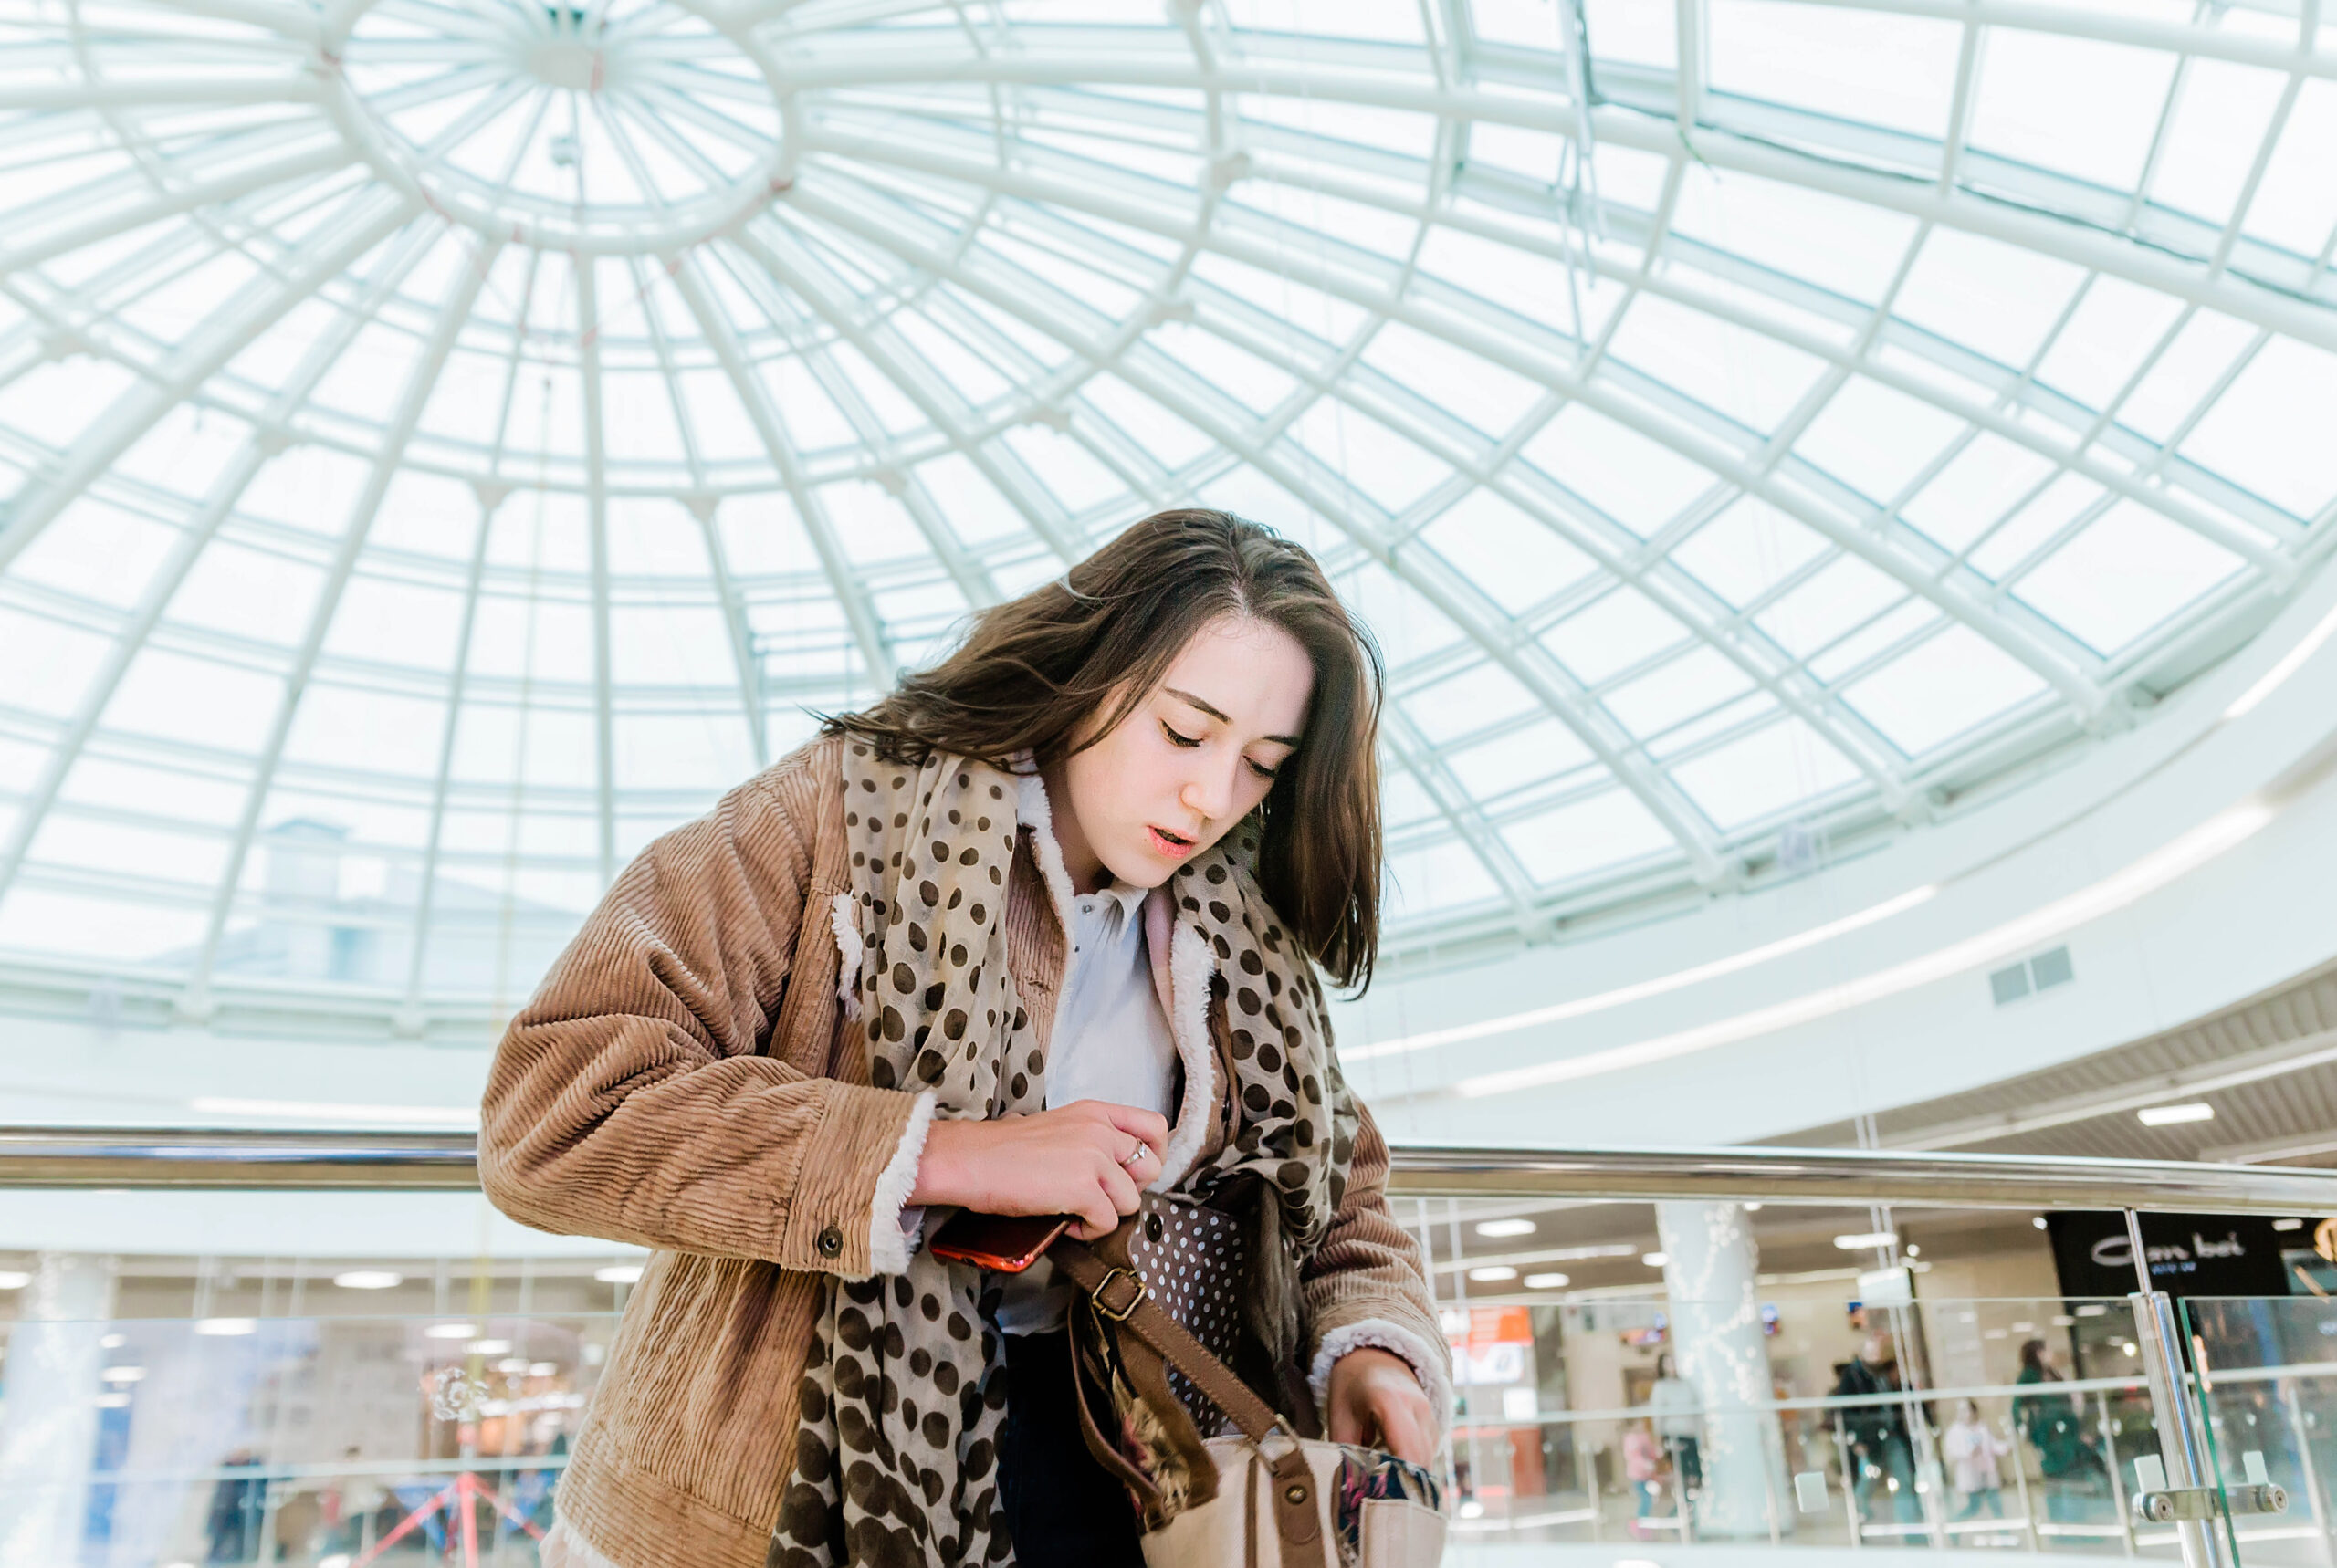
(1122, 1298)
(1106, 1454)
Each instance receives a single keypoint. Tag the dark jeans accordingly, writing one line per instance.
(1061, 1507)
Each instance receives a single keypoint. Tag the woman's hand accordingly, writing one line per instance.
(1090, 1159)
(1377, 1402)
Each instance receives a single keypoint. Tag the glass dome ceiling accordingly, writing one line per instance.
(449, 441)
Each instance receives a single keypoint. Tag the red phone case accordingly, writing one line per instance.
(1009, 1243)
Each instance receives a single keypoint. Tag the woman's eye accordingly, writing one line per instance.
(1175, 739)
(1261, 769)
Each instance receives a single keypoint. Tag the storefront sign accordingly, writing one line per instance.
(2190, 1254)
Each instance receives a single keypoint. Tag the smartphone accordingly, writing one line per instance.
(1009, 1243)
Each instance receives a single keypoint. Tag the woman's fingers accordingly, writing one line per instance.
(1148, 1127)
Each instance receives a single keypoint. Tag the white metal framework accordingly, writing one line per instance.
(449, 441)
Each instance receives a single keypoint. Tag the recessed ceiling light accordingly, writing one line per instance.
(227, 1328)
(123, 1375)
(1913, 1250)
(1867, 1238)
(1494, 1272)
(450, 1331)
(1546, 1281)
(488, 1347)
(1655, 1260)
(14, 1279)
(368, 1279)
(619, 1274)
(2288, 1225)
(113, 1341)
(1498, 1228)
(2037, 1220)
(2168, 1115)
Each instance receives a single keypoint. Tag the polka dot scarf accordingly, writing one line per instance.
(905, 1384)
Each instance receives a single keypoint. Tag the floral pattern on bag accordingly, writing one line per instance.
(1368, 1474)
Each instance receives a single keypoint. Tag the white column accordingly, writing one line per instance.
(48, 1413)
(1718, 1346)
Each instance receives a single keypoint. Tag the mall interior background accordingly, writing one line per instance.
(1842, 487)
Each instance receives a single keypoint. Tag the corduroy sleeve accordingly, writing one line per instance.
(1366, 1285)
(631, 1099)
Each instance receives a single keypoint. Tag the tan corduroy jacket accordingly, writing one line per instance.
(682, 1082)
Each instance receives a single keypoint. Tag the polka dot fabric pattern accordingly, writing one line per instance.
(904, 1389)
(1193, 1261)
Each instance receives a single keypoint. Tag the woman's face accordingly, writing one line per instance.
(1189, 761)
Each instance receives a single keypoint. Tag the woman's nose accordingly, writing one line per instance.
(1209, 794)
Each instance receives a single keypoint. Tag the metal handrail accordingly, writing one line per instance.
(240, 1158)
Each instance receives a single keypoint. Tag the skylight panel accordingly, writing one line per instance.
(977, 510)
(2082, 106)
(1237, 374)
(2171, 392)
(2034, 525)
(1868, 67)
(1447, 877)
(1747, 549)
(156, 935)
(1747, 375)
(380, 620)
(1325, 225)
(1067, 467)
(351, 727)
(1618, 630)
(1397, 21)
(1463, 705)
(1698, 680)
(2296, 202)
(194, 795)
(2124, 573)
(1164, 437)
(1642, 32)
(1835, 244)
(1995, 299)
(45, 666)
(1608, 829)
(1830, 602)
(2274, 429)
(1365, 459)
(1476, 389)
(1914, 617)
(671, 645)
(1536, 155)
(548, 641)
(639, 409)
(808, 418)
(1938, 690)
(1876, 439)
(246, 592)
(52, 401)
(1304, 317)
(204, 702)
(2219, 123)
(871, 525)
(681, 751)
(1975, 489)
(1535, 754)
(1637, 481)
(1765, 775)
(1513, 559)
(1408, 627)
(1523, 24)
(96, 551)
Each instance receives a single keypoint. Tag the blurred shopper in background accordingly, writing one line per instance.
(2054, 1425)
(1972, 1451)
(1877, 1432)
(1679, 1422)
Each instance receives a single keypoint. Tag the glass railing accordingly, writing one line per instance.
(1654, 1350)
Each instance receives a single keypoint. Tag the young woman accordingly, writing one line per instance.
(1037, 932)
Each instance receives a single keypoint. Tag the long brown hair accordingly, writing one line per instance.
(1031, 673)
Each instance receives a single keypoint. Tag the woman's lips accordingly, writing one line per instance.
(1168, 845)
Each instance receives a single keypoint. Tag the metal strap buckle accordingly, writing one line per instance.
(1097, 1295)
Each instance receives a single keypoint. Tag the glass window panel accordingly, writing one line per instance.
(671, 645)
(45, 666)
(1966, 498)
(1236, 373)
(369, 375)
(2056, 507)
(637, 412)
(1835, 244)
(1616, 633)
(1764, 775)
(52, 401)
(1846, 592)
(977, 511)
(1888, 630)
(2270, 431)
(807, 416)
(1539, 752)
(1513, 559)
(2113, 327)
(1445, 877)
(2077, 106)
(531, 640)
(192, 796)
(1935, 692)
(536, 746)
(1408, 628)
(1402, 801)
(1608, 829)
(425, 513)
(655, 538)
(186, 450)
(2296, 202)
(2193, 363)
(1749, 376)
(1528, 24)
(1167, 439)
(1305, 317)
(1637, 481)
(1461, 704)
(96, 551)
(1485, 394)
(308, 488)
(346, 726)
(1642, 32)
(1065, 466)
(719, 424)
(1990, 297)
(1632, 176)
(1369, 459)
(704, 752)
(1697, 680)
(200, 701)
(247, 592)
(871, 525)
(113, 931)
(2128, 570)
(1894, 71)
(1522, 282)
(1537, 155)
(127, 849)
(1747, 549)
(1876, 438)
(2218, 125)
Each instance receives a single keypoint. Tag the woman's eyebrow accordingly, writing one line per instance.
(1213, 712)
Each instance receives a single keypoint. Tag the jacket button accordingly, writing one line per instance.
(831, 1242)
